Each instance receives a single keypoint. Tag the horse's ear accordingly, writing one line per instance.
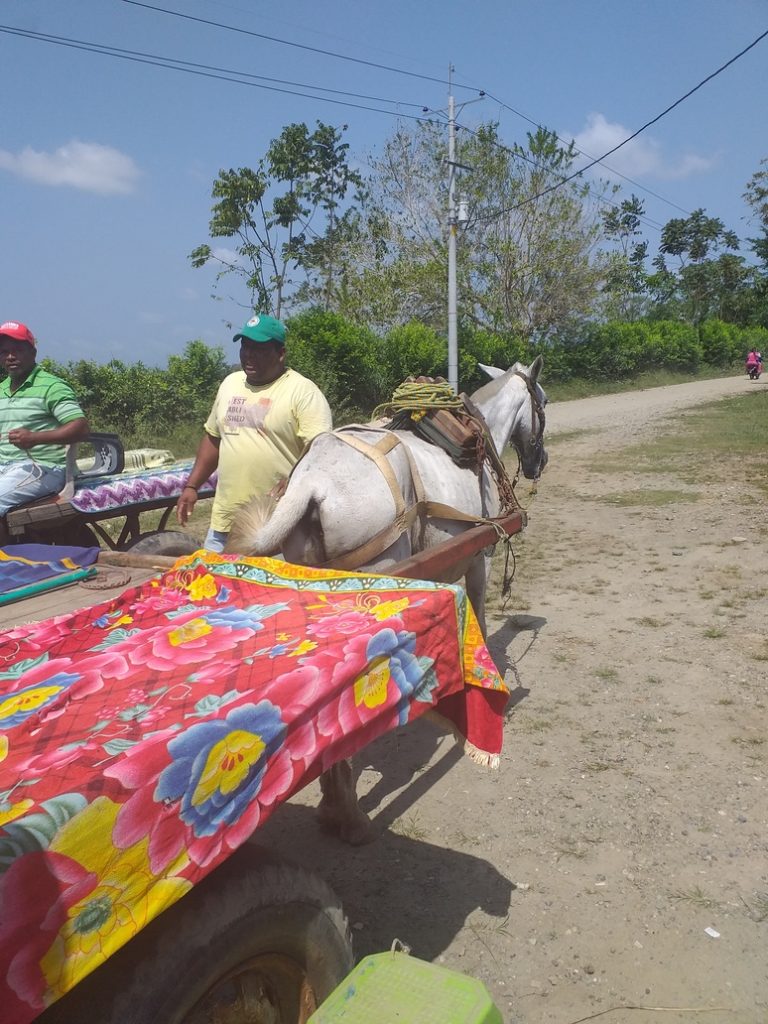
(492, 371)
(535, 369)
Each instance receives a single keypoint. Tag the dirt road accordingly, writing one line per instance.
(619, 858)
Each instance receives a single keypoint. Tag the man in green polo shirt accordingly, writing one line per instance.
(39, 417)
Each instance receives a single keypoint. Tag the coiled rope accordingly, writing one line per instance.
(420, 396)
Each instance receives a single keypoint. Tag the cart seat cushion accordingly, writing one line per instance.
(100, 494)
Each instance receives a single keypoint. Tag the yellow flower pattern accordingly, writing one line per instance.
(125, 896)
(371, 687)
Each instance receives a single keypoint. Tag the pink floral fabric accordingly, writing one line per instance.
(144, 739)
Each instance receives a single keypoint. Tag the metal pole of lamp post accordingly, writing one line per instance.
(453, 345)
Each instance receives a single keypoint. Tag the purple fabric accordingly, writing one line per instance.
(22, 564)
(103, 493)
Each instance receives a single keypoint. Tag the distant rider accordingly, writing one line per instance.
(754, 362)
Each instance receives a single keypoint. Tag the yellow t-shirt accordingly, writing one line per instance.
(264, 428)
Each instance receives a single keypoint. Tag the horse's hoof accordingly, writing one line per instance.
(357, 833)
(356, 830)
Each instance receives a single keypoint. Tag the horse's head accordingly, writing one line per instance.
(518, 401)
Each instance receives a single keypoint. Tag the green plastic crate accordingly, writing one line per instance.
(393, 987)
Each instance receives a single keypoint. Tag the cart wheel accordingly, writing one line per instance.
(257, 942)
(164, 542)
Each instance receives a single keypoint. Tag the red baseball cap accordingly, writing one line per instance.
(13, 329)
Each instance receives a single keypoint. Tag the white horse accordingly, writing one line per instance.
(366, 498)
(348, 508)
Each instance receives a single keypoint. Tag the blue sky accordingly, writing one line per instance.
(106, 165)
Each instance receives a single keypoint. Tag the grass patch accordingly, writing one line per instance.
(758, 909)
(650, 498)
(595, 767)
(695, 443)
(534, 724)
(410, 827)
(714, 633)
(608, 675)
(695, 896)
(568, 390)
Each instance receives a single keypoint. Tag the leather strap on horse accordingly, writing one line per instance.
(507, 497)
(404, 517)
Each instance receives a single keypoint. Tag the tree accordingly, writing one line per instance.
(284, 214)
(625, 275)
(534, 233)
(756, 196)
(524, 261)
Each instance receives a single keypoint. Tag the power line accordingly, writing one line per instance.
(648, 124)
(289, 42)
(519, 155)
(208, 71)
(589, 156)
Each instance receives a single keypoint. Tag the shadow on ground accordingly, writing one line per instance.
(499, 641)
(397, 887)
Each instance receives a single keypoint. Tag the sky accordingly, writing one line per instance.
(106, 165)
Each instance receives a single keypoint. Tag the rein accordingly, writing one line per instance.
(537, 410)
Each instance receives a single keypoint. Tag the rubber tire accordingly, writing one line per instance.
(164, 542)
(250, 905)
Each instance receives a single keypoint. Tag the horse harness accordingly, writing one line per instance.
(537, 410)
(422, 508)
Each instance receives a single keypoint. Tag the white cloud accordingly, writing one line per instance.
(642, 157)
(85, 165)
(228, 256)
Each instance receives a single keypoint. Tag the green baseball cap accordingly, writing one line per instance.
(262, 328)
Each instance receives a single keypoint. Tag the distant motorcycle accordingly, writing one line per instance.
(753, 371)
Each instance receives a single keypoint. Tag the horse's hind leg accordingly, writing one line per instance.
(339, 809)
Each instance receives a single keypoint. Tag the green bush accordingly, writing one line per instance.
(411, 350)
(341, 358)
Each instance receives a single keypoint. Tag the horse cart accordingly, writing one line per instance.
(145, 739)
(132, 889)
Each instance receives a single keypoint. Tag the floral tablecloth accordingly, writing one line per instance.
(142, 740)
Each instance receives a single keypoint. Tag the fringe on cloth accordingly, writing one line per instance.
(473, 752)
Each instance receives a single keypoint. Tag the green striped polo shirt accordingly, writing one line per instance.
(42, 402)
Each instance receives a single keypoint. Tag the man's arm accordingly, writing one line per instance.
(206, 461)
(67, 433)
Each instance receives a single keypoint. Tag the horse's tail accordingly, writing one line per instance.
(261, 526)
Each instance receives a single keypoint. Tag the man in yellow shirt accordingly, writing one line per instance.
(262, 419)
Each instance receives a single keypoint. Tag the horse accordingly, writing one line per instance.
(363, 497)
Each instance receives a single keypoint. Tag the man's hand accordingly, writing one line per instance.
(22, 438)
(185, 505)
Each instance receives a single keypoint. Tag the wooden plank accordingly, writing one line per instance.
(439, 562)
(137, 561)
(68, 599)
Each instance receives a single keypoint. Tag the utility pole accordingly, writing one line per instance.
(453, 343)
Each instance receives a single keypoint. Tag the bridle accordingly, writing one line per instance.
(537, 411)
